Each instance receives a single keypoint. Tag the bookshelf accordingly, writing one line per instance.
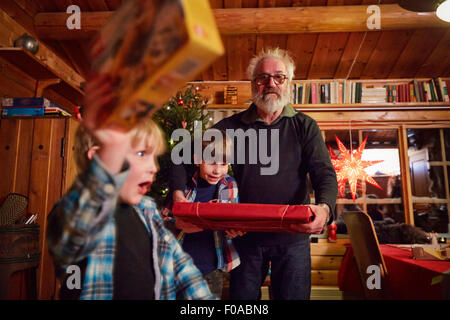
(349, 95)
(44, 75)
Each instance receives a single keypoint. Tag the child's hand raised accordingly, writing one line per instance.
(114, 141)
(98, 99)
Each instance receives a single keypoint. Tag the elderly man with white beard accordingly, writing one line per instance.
(302, 151)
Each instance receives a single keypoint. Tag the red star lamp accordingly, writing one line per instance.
(349, 167)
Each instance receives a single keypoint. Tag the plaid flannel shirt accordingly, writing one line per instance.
(81, 225)
(227, 256)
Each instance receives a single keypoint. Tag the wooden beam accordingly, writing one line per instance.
(287, 20)
(11, 30)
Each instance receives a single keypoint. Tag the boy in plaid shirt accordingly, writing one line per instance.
(212, 251)
(107, 227)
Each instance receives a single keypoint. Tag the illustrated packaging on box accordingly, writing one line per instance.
(150, 49)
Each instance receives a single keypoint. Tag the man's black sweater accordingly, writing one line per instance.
(301, 151)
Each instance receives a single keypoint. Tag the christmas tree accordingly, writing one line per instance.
(181, 111)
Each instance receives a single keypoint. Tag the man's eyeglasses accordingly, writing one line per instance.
(264, 79)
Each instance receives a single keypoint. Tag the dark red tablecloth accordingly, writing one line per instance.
(408, 278)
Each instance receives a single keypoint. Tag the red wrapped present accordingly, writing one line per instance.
(243, 216)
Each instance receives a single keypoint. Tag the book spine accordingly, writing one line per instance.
(25, 102)
(394, 93)
(10, 112)
(327, 93)
(438, 90)
(341, 93)
(300, 93)
(353, 92)
(412, 97)
(444, 90)
(294, 94)
(423, 97)
(416, 91)
(314, 93)
(432, 90)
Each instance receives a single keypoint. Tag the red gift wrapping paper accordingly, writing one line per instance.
(243, 216)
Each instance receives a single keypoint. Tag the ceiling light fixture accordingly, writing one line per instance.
(443, 11)
(442, 7)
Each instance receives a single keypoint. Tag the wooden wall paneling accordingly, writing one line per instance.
(214, 91)
(39, 182)
(387, 116)
(9, 139)
(420, 46)
(60, 100)
(25, 142)
(209, 73)
(77, 57)
(220, 66)
(205, 75)
(29, 6)
(326, 262)
(249, 3)
(69, 167)
(438, 61)
(98, 5)
(48, 5)
(327, 54)
(14, 30)
(240, 50)
(55, 182)
(21, 16)
(335, 2)
(113, 4)
(283, 3)
(219, 69)
(405, 175)
(386, 53)
(14, 81)
(266, 41)
(301, 47)
(232, 4)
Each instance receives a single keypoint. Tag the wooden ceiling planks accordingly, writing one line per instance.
(383, 57)
(327, 54)
(422, 41)
(301, 47)
(351, 52)
(372, 54)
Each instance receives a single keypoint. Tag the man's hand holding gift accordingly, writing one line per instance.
(320, 219)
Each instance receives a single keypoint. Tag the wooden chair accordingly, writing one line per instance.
(367, 252)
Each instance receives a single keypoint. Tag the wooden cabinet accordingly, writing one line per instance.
(37, 161)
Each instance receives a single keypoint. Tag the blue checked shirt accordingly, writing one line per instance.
(81, 225)
(227, 191)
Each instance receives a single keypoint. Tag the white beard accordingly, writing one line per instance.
(269, 103)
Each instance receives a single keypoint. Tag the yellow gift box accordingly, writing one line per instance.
(151, 49)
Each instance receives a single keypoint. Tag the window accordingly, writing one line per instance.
(385, 199)
(428, 151)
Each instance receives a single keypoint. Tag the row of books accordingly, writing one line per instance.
(433, 90)
(343, 92)
(334, 92)
(31, 107)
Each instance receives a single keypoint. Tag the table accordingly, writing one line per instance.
(408, 278)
